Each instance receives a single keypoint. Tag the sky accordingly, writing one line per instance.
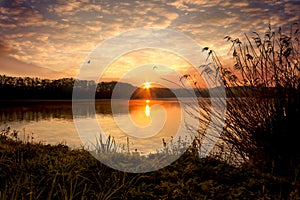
(54, 39)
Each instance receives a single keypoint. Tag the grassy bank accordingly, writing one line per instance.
(38, 171)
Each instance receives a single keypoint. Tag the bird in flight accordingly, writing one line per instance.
(184, 76)
(89, 62)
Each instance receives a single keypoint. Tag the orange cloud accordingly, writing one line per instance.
(59, 35)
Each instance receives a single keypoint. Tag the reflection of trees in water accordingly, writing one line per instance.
(36, 111)
(39, 111)
(45, 110)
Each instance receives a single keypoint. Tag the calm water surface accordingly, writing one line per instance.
(52, 122)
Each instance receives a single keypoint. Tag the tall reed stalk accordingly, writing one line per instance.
(263, 108)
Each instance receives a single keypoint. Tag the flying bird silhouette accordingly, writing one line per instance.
(89, 62)
(184, 76)
(205, 49)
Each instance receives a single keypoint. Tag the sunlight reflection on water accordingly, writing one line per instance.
(52, 122)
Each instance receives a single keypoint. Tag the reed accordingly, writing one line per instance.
(263, 111)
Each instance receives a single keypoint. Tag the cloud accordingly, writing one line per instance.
(13, 67)
(60, 34)
(4, 48)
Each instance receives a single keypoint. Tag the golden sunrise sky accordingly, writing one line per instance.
(52, 39)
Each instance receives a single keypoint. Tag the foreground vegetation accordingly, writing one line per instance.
(262, 129)
(31, 170)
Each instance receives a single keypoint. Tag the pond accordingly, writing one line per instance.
(51, 122)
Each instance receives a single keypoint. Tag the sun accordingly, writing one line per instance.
(147, 85)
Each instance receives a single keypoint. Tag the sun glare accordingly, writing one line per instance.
(147, 85)
(147, 110)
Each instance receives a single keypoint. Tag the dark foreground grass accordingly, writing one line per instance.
(37, 171)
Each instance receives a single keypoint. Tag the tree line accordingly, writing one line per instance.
(37, 88)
